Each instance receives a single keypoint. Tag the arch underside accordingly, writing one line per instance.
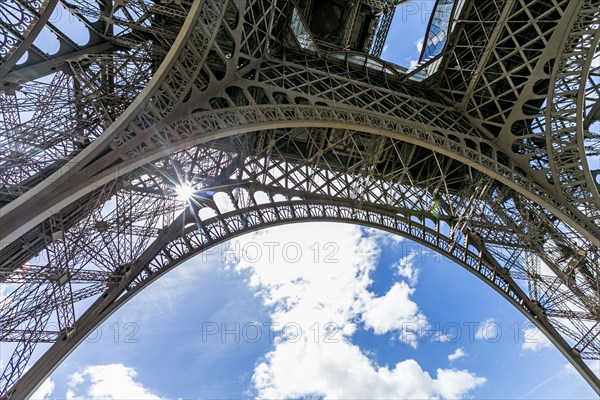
(486, 162)
(252, 181)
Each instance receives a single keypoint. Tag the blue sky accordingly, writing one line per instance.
(338, 311)
(407, 32)
(179, 337)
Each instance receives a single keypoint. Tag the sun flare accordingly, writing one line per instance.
(184, 191)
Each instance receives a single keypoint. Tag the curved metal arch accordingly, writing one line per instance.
(109, 25)
(147, 115)
(550, 326)
(164, 240)
(157, 88)
(572, 69)
(547, 140)
(211, 125)
(206, 126)
(79, 90)
(45, 11)
(187, 237)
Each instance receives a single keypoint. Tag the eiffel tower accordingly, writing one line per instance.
(270, 112)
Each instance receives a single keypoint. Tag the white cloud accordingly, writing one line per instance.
(44, 391)
(413, 63)
(395, 311)
(454, 384)
(419, 44)
(457, 355)
(383, 237)
(309, 295)
(305, 292)
(534, 339)
(487, 330)
(113, 381)
(406, 268)
(341, 370)
(439, 337)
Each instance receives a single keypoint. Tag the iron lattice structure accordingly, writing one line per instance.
(279, 111)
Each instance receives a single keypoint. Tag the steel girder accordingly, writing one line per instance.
(240, 194)
(528, 81)
(242, 117)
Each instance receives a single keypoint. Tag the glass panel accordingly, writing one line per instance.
(302, 34)
(438, 29)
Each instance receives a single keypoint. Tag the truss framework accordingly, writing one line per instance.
(488, 162)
